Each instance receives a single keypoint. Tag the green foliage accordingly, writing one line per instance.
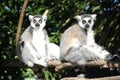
(27, 72)
(48, 75)
(107, 27)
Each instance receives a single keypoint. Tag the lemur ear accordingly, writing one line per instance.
(30, 17)
(78, 17)
(44, 17)
(94, 16)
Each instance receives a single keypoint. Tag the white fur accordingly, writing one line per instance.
(91, 44)
(53, 52)
(94, 47)
(37, 49)
(31, 57)
(42, 25)
(90, 38)
(86, 19)
(94, 16)
(34, 50)
(39, 43)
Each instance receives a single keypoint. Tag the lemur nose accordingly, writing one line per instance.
(37, 24)
(87, 25)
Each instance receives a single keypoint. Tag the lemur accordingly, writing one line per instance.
(34, 46)
(78, 45)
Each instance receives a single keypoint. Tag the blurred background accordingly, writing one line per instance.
(60, 16)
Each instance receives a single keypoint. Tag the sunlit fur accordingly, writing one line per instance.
(91, 44)
(34, 46)
(95, 48)
(77, 43)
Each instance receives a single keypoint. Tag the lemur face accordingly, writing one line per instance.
(37, 21)
(86, 21)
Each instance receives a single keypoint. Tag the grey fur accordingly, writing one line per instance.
(80, 56)
(74, 31)
(72, 41)
(24, 39)
(34, 46)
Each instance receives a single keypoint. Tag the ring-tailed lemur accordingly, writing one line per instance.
(34, 46)
(91, 45)
(78, 45)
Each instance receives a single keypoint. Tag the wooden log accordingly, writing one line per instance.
(60, 65)
(103, 78)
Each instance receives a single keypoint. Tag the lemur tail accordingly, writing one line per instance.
(80, 56)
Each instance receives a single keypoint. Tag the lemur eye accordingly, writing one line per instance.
(83, 21)
(34, 20)
(89, 21)
(40, 20)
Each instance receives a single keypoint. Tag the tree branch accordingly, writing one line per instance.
(60, 65)
(103, 78)
(100, 63)
(21, 21)
(90, 63)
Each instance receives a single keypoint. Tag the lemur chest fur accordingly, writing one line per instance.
(38, 41)
(90, 38)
